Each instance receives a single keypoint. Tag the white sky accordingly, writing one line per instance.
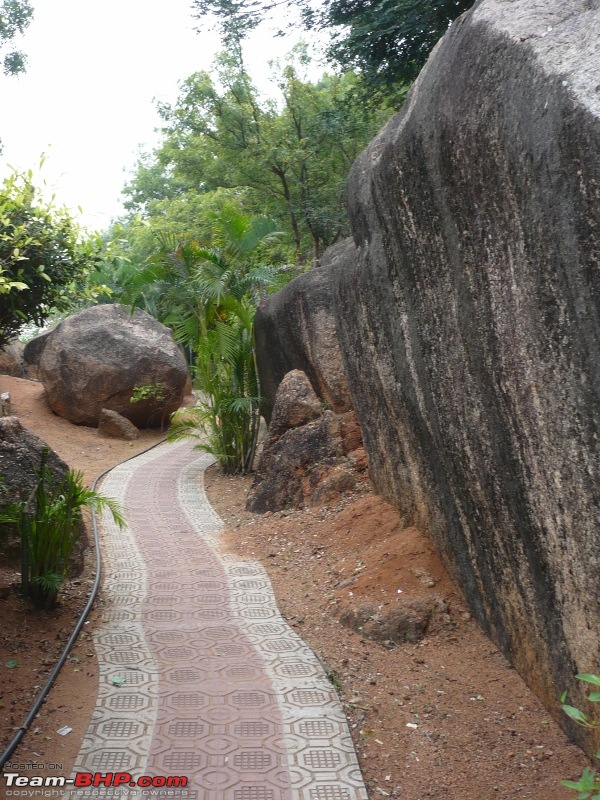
(86, 99)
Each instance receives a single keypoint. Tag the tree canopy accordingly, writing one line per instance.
(288, 160)
(387, 40)
(15, 16)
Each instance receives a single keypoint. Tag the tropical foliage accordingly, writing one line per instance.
(225, 283)
(48, 523)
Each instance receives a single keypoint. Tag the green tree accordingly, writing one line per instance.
(387, 40)
(44, 259)
(144, 261)
(291, 160)
(15, 16)
(153, 182)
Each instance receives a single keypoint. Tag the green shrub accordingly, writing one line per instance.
(48, 524)
(45, 257)
(149, 391)
(225, 420)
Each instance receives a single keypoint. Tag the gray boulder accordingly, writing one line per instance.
(296, 405)
(20, 459)
(32, 353)
(105, 357)
(302, 462)
(114, 426)
(302, 467)
(296, 329)
(470, 325)
(11, 359)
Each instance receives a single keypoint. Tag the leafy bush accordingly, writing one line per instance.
(148, 391)
(588, 785)
(48, 524)
(44, 259)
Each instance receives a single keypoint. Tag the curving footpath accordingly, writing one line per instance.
(200, 677)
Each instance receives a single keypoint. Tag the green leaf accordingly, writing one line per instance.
(575, 714)
(12, 664)
(593, 679)
(117, 680)
(594, 697)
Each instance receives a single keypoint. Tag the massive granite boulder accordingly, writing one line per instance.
(469, 321)
(295, 329)
(106, 357)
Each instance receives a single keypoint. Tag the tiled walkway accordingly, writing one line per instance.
(199, 674)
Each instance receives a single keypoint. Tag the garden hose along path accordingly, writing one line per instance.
(200, 676)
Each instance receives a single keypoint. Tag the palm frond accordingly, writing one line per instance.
(260, 230)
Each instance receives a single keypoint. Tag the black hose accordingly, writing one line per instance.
(58, 666)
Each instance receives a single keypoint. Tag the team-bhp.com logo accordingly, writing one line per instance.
(15, 782)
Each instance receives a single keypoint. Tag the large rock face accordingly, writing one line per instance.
(295, 329)
(96, 358)
(469, 323)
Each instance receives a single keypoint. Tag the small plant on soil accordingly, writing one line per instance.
(48, 524)
(588, 785)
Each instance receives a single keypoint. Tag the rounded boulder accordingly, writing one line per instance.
(106, 357)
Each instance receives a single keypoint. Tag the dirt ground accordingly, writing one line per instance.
(444, 717)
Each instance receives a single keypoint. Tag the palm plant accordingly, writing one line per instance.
(48, 524)
(225, 421)
(227, 282)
